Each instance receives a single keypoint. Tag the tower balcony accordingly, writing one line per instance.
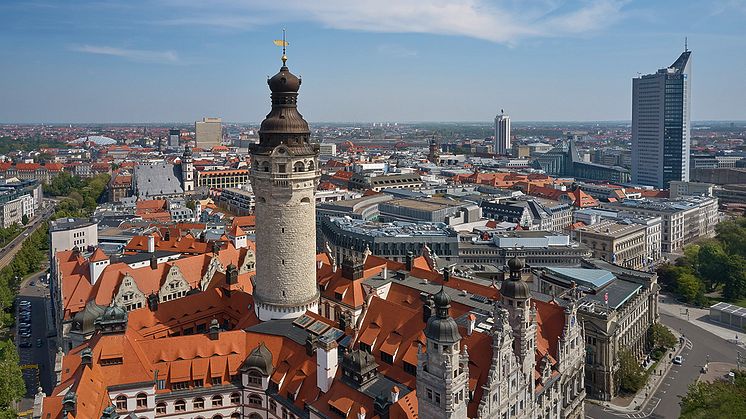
(284, 179)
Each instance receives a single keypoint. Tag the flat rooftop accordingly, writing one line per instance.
(430, 204)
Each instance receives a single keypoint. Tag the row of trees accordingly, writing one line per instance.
(632, 376)
(29, 259)
(713, 265)
(8, 234)
(80, 195)
(35, 143)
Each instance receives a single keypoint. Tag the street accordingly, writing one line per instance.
(40, 357)
(665, 401)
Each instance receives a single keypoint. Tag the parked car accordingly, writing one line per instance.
(25, 343)
(39, 343)
(24, 325)
(678, 360)
(25, 333)
(25, 303)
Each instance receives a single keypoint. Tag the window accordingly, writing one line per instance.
(255, 400)
(160, 409)
(235, 398)
(161, 384)
(387, 358)
(180, 406)
(216, 381)
(121, 403)
(199, 383)
(181, 385)
(142, 400)
(217, 400)
(272, 406)
(198, 403)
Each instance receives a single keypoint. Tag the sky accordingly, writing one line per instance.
(130, 61)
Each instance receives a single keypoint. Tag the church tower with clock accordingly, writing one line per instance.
(284, 175)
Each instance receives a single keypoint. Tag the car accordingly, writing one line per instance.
(25, 333)
(32, 283)
(39, 343)
(24, 325)
(25, 343)
(25, 303)
(678, 360)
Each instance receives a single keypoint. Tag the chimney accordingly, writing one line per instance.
(151, 243)
(427, 307)
(327, 362)
(310, 344)
(408, 261)
(385, 271)
(472, 323)
(153, 262)
(214, 329)
(394, 396)
(361, 413)
(446, 274)
(86, 357)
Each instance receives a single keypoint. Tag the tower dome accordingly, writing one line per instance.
(442, 327)
(515, 287)
(284, 81)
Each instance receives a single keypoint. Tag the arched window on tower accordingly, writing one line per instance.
(299, 167)
(311, 166)
(265, 166)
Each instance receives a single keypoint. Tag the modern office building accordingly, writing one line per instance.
(502, 133)
(173, 137)
(660, 124)
(209, 132)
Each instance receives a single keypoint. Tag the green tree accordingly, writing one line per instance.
(734, 273)
(631, 376)
(661, 336)
(711, 259)
(12, 387)
(719, 399)
(24, 219)
(689, 287)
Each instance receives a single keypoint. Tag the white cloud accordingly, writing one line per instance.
(139, 55)
(502, 21)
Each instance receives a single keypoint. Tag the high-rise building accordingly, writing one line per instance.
(502, 133)
(173, 137)
(660, 124)
(209, 132)
(284, 177)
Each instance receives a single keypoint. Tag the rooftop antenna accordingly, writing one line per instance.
(686, 44)
(282, 43)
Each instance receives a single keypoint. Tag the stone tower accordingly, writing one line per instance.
(516, 298)
(284, 177)
(443, 369)
(187, 170)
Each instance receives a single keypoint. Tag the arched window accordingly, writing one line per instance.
(198, 403)
(305, 200)
(265, 166)
(238, 416)
(299, 167)
(180, 406)
(217, 417)
(121, 402)
(142, 400)
(160, 409)
(254, 416)
(217, 400)
(235, 398)
(255, 400)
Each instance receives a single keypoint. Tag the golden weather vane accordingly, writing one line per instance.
(282, 43)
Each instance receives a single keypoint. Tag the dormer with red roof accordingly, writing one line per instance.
(238, 237)
(97, 263)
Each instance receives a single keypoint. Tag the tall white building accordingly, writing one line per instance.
(502, 133)
(209, 132)
(661, 124)
(284, 175)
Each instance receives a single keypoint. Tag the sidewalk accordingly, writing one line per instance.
(700, 318)
(640, 402)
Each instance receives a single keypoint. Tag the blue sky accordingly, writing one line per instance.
(361, 60)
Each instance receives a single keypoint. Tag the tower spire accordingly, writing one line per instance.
(282, 43)
(686, 44)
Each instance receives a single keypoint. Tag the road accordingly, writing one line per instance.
(665, 402)
(9, 251)
(38, 295)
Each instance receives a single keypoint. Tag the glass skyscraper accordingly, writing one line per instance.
(660, 124)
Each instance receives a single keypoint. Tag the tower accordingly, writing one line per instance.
(516, 298)
(661, 124)
(187, 170)
(284, 177)
(502, 134)
(443, 369)
(433, 154)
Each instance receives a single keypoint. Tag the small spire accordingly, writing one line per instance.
(686, 44)
(282, 43)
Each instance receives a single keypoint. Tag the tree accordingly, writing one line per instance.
(12, 387)
(734, 273)
(719, 399)
(24, 219)
(711, 260)
(661, 336)
(689, 287)
(631, 376)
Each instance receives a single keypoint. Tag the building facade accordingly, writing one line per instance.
(661, 105)
(208, 132)
(623, 244)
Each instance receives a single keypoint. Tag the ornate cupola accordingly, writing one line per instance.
(442, 328)
(284, 175)
(515, 288)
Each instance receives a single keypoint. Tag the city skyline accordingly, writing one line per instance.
(144, 61)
